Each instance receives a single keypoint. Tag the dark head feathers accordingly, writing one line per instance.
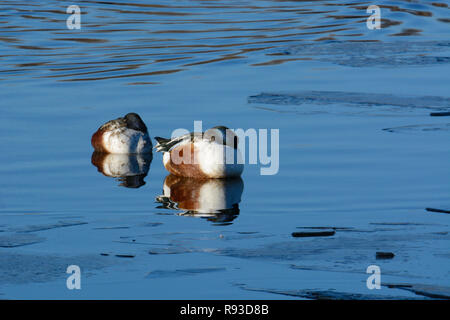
(134, 121)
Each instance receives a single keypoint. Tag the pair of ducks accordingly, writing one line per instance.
(207, 151)
(123, 149)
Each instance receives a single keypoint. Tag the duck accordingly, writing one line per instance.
(124, 135)
(202, 155)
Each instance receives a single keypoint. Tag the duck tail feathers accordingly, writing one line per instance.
(162, 145)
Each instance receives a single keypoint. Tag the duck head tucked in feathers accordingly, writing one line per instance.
(125, 135)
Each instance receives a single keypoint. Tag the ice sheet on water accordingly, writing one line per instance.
(323, 294)
(420, 128)
(18, 240)
(59, 224)
(374, 53)
(18, 268)
(182, 272)
(351, 98)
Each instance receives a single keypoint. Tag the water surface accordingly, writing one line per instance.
(359, 152)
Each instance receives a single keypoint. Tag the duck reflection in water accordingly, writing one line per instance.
(214, 199)
(129, 169)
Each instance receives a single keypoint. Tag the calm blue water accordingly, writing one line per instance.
(359, 151)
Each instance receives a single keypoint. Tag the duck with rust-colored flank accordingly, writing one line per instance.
(202, 155)
(126, 135)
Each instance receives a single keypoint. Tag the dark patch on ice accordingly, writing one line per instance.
(33, 268)
(440, 114)
(430, 291)
(370, 54)
(384, 255)
(305, 234)
(182, 272)
(437, 210)
(59, 224)
(352, 98)
(18, 240)
(323, 294)
(125, 255)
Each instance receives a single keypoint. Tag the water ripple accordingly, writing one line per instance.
(161, 38)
